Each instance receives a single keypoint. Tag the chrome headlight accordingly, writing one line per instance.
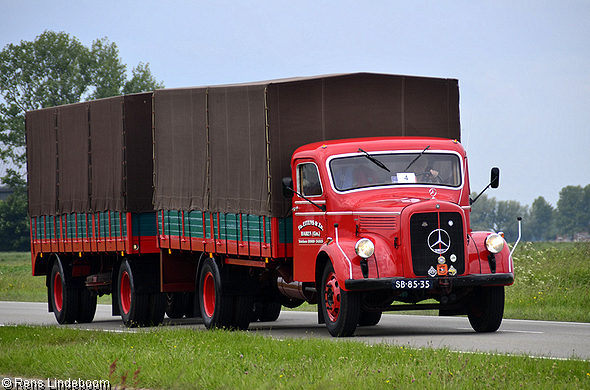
(494, 243)
(364, 248)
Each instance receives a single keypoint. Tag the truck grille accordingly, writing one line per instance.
(434, 236)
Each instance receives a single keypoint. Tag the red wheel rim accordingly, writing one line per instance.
(125, 293)
(332, 297)
(209, 295)
(58, 296)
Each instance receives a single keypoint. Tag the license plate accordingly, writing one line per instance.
(418, 284)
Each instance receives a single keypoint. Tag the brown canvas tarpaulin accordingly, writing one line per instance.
(89, 157)
(180, 139)
(41, 161)
(217, 154)
(237, 150)
(138, 153)
(210, 149)
(106, 158)
(221, 148)
(72, 157)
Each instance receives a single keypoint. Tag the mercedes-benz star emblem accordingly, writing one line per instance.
(439, 241)
(432, 192)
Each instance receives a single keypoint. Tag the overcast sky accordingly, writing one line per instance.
(523, 66)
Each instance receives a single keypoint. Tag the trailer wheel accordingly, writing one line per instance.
(64, 299)
(486, 309)
(270, 311)
(87, 306)
(157, 308)
(243, 308)
(341, 308)
(176, 304)
(134, 306)
(216, 308)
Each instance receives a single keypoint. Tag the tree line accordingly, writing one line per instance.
(52, 70)
(541, 221)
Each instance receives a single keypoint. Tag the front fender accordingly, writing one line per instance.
(347, 264)
(343, 258)
(480, 260)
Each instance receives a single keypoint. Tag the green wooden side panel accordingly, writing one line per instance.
(197, 224)
(79, 225)
(173, 222)
(117, 226)
(144, 224)
(286, 230)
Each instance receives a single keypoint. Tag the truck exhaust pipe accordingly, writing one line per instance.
(295, 290)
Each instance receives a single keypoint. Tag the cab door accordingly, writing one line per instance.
(309, 219)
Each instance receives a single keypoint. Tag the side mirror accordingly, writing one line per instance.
(495, 177)
(287, 187)
(494, 183)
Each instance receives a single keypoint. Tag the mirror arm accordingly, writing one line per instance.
(322, 207)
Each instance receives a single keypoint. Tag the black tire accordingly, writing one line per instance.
(64, 299)
(341, 309)
(256, 311)
(369, 318)
(216, 308)
(486, 308)
(176, 304)
(270, 311)
(87, 306)
(157, 308)
(192, 307)
(134, 307)
(242, 313)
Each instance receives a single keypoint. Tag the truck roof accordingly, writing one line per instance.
(373, 144)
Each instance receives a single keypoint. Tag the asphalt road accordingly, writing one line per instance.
(517, 337)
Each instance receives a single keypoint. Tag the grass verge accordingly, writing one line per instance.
(552, 282)
(186, 359)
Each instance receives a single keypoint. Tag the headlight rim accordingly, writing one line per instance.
(364, 248)
(494, 243)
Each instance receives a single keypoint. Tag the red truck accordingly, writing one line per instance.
(229, 202)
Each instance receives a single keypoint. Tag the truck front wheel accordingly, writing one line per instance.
(216, 308)
(486, 308)
(341, 308)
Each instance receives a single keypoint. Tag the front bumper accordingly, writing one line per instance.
(446, 282)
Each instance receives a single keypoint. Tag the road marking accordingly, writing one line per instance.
(510, 331)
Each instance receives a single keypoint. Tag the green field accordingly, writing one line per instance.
(552, 283)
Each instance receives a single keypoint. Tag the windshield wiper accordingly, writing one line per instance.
(414, 160)
(374, 160)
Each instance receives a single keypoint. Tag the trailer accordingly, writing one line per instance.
(229, 202)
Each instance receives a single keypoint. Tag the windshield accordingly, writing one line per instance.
(359, 171)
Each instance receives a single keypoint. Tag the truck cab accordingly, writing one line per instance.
(384, 220)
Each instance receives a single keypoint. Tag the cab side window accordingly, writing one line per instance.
(308, 179)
